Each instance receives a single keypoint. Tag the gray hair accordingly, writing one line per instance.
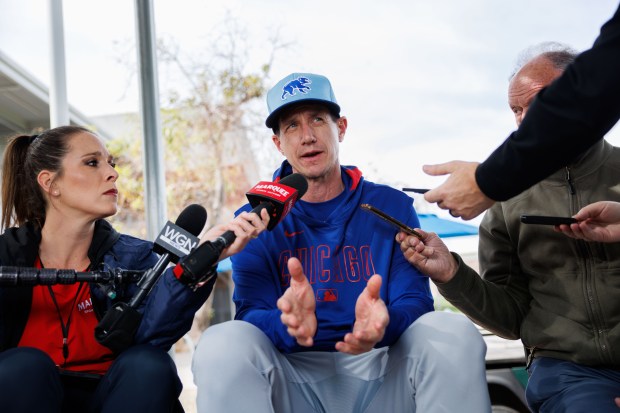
(560, 55)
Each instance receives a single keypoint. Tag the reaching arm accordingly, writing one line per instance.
(565, 119)
(492, 303)
(170, 307)
(460, 194)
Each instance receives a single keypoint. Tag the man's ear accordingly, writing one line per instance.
(342, 124)
(276, 141)
(45, 179)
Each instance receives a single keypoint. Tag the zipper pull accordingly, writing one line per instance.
(65, 348)
(571, 187)
(530, 356)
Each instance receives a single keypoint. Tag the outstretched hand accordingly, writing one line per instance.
(298, 306)
(429, 255)
(371, 320)
(599, 221)
(460, 194)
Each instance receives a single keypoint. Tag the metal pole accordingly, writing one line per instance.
(59, 108)
(154, 180)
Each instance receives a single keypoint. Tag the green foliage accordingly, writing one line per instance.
(441, 304)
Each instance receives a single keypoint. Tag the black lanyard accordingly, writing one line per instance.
(65, 326)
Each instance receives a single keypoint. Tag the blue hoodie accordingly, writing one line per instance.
(338, 254)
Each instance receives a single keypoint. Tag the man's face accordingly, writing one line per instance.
(526, 84)
(309, 138)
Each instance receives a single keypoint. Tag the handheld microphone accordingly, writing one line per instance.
(174, 241)
(277, 197)
(117, 328)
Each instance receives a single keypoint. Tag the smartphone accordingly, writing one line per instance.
(546, 220)
(416, 190)
(401, 226)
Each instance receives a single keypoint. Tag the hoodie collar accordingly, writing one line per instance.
(353, 182)
(352, 172)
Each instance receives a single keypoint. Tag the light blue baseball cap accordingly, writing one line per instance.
(299, 87)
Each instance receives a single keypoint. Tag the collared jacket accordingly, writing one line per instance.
(339, 252)
(168, 310)
(560, 295)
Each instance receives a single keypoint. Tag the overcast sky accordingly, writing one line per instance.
(420, 81)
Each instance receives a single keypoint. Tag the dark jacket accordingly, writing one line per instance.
(168, 310)
(558, 294)
(565, 119)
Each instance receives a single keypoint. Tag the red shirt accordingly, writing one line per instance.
(44, 329)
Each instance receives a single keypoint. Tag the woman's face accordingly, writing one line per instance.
(86, 186)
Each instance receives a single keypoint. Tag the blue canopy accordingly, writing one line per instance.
(428, 222)
(444, 227)
(224, 265)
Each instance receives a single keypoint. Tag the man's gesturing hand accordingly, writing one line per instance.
(371, 319)
(429, 255)
(298, 305)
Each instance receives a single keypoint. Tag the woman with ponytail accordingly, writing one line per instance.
(57, 189)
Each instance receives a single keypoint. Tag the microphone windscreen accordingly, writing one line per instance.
(296, 181)
(192, 219)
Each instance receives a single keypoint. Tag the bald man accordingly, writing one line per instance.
(533, 76)
(557, 294)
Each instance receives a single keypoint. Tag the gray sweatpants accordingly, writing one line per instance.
(437, 365)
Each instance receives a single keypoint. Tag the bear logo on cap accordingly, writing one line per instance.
(294, 85)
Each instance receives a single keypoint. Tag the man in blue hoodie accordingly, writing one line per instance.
(330, 316)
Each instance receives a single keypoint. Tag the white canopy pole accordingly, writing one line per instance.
(59, 108)
(154, 179)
